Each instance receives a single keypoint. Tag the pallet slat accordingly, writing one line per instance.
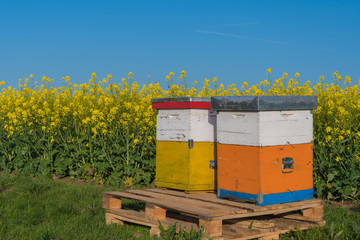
(195, 203)
(174, 205)
(266, 212)
(208, 197)
(139, 218)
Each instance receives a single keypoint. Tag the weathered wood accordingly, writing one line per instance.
(133, 217)
(270, 237)
(267, 212)
(154, 213)
(110, 202)
(262, 235)
(252, 223)
(171, 208)
(190, 202)
(292, 204)
(154, 231)
(315, 213)
(297, 216)
(112, 218)
(174, 205)
(208, 197)
(212, 228)
(139, 218)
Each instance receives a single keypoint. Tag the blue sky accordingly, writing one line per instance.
(235, 41)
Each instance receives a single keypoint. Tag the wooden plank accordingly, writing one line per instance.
(254, 223)
(270, 237)
(298, 216)
(260, 235)
(292, 204)
(209, 197)
(241, 231)
(174, 205)
(139, 218)
(268, 212)
(132, 216)
(191, 202)
(182, 216)
(228, 235)
(111, 218)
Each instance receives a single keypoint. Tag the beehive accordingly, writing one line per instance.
(264, 147)
(185, 144)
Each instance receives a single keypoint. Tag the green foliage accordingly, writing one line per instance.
(171, 234)
(340, 224)
(336, 158)
(104, 159)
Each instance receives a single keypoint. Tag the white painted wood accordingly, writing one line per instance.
(238, 128)
(267, 128)
(184, 124)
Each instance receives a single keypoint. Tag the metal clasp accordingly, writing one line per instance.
(287, 143)
(287, 165)
(190, 143)
(213, 164)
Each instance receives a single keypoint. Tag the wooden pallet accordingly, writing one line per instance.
(222, 219)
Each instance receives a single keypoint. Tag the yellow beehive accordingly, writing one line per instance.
(185, 144)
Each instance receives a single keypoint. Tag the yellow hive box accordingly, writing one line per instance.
(183, 168)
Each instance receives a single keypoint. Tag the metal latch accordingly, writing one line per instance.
(213, 164)
(287, 165)
(190, 143)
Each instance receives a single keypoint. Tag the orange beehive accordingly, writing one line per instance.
(264, 148)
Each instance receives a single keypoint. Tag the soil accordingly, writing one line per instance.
(67, 180)
(350, 205)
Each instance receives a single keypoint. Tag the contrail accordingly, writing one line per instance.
(235, 24)
(239, 36)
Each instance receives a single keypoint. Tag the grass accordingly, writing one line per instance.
(45, 209)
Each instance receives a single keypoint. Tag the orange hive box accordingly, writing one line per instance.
(264, 148)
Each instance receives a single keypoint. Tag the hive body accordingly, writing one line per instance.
(185, 145)
(264, 156)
